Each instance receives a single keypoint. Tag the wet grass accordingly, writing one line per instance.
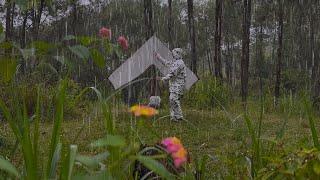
(221, 134)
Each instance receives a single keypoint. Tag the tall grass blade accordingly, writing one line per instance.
(7, 115)
(67, 167)
(8, 167)
(27, 148)
(155, 166)
(309, 113)
(36, 129)
(54, 162)
(55, 139)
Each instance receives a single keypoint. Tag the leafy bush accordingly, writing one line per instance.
(208, 92)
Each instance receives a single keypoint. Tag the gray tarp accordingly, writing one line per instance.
(141, 60)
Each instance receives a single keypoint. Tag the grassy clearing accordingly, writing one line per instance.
(221, 134)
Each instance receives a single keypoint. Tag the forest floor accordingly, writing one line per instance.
(221, 134)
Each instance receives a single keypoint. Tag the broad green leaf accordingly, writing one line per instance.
(6, 45)
(55, 139)
(85, 40)
(110, 140)
(2, 37)
(42, 48)
(67, 167)
(23, 4)
(155, 166)
(97, 58)
(8, 167)
(7, 69)
(69, 37)
(46, 67)
(316, 167)
(52, 168)
(64, 61)
(27, 53)
(81, 51)
(92, 162)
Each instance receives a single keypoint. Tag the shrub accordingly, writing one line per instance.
(209, 92)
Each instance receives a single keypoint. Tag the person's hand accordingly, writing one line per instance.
(157, 55)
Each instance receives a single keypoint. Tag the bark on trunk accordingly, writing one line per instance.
(148, 18)
(245, 50)
(279, 53)
(37, 13)
(217, 39)
(170, 25)
(192, 36)
(8, 21)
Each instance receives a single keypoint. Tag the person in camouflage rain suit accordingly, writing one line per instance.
(177, 79)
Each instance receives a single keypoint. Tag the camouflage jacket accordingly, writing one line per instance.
(176, 76)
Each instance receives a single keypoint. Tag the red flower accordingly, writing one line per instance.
(123, 42)
(105, 33)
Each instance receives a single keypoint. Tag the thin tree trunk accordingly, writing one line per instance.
(75, 17)
(192, 36)
(170, 24)
(148, 19)
(217, 39)
(245, 50)
(315, 88)
(37, 13)
(8, 21)
(279, 63)
(23, 31)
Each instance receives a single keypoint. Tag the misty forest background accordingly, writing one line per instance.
(253, 113)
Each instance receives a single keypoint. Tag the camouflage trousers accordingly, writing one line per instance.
(175, 106)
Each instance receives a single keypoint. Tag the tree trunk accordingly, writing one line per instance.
(192, 36)
(75, 18)
(245, 50)
(23, 31)
(315, 88)
(8, 34)
(37, 13)
(217, 39)
(148, 20)
(170, 25)
(279, 53)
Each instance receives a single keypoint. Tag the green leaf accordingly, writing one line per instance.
(2, 37)
(67, 167)
(8, 167)
(155, 166)
(27, 53)
(97, 58)
(52, 168)
(23, 4)
(42, 48)
(85, 40)
(110, 140)
(92, 162)
(81, 51)
(7, 69)
(69, 37)
(316, 167)
(55, 139)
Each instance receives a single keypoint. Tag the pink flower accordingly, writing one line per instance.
(166, 141)
(179, 161)
(172, 148)
(123, 42)
(105, 33)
